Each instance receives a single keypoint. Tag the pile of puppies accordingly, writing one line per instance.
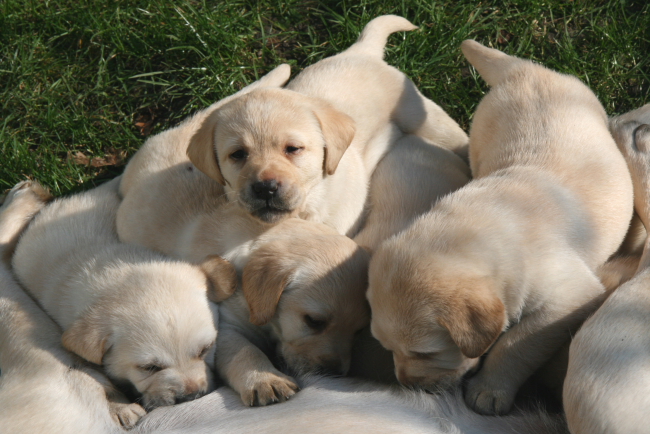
(337, 204)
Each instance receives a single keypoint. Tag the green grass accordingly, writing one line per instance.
(88, 79)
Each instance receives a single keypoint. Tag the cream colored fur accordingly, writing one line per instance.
(608, 379)
(319, 139)
(515, 250)
(43, 387)
(144, 317)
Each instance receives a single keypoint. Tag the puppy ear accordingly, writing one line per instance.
(222, 277)
(87, 337)
(338, 132)
(474, 321)
(263, 281)
(202, 152)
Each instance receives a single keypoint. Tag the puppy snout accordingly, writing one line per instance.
(192, 390)
(408, 380)
(266, 189)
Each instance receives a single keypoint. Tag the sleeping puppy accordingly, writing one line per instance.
(303, 296)
(308, 150)
(607, 383)
(43, 387)
(407, 182)
(144, 317)
(514, 250)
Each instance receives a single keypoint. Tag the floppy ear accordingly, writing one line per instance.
(222, 277)
(338, 132)
(201, 150)
(87, 337)
(263, 281)
(474, 321)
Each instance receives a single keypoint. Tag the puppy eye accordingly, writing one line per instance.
(292, 149)
(317, 325)
(150, 368)
(239, 155)
(204, 351)
(423, 356)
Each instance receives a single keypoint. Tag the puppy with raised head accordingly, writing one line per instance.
(308, 150)
(43, 387)
(513, 251)
(143, 317)
(607, 383)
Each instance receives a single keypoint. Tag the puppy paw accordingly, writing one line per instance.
(487, 400)
(126, 415)
(28, 191)
(264, 388)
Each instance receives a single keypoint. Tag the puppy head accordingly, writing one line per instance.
(270, 147)
(153, 331)
(308, 283)
(435, 313)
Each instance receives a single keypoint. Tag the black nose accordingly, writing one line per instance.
(265, 190)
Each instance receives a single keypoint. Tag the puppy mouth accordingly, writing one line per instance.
(270, 213)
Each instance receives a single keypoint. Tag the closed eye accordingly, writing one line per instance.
(293, 149)
(150, 368)
(316, 324)
(204, 351)
(423, 356)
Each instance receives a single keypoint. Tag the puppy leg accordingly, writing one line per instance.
(532, 341)
(21, 204)
(122, 411)
(247, 370)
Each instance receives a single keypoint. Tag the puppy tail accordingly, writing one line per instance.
(374, 36)
(493, 65)
(22, 203)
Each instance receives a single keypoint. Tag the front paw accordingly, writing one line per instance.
(126, 415)
(484, 398)
(264, 388)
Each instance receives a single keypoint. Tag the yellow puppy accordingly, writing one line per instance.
(308, 150)
(514, 250)
(142, 316)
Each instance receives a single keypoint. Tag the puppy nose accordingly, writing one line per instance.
(265, 190)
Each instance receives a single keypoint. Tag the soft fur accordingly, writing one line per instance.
(607, 383)
(309, 150)
(144, 317)
(516, 249)
(343, 405)
(43, 387)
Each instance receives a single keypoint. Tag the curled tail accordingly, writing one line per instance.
(24, 201)
(372, 40)
(493, 65)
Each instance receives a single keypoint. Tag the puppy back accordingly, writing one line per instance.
(374, 36)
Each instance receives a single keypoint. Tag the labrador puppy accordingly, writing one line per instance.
(302, 297)
(43, 387)
(607, 383)
(142, 316)
(513, 251)
(308, 150)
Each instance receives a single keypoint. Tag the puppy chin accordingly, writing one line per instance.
(443, 379)
(271, 215)
(301, 365)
